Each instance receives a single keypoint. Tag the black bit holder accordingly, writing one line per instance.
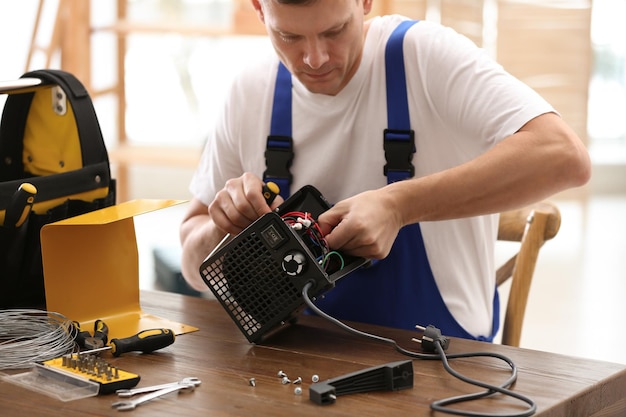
(393, 376)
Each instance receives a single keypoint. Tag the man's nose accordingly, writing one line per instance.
(315, 55)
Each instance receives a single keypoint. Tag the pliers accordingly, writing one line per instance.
(100, 337)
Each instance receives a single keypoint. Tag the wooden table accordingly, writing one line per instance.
(223, 359)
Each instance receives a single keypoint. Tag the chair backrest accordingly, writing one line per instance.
(531, 226)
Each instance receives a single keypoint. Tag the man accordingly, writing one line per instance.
(485, 143)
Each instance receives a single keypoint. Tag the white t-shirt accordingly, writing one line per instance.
(461, 103)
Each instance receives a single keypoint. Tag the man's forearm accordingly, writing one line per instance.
(523, 168)
(198, 237)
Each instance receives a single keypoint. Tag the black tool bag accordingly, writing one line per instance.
(50, 138)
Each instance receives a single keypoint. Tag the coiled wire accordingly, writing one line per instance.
(28, 336)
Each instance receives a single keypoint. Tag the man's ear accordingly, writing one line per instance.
(258, 8)
(367, 6)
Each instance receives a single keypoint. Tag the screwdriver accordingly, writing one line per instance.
(270, 191)
(145, 341)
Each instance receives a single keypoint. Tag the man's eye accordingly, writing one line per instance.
(335, 33)
(288, 38)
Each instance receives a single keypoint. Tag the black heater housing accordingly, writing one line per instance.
(258, 276)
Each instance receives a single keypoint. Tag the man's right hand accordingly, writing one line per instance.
(240, 203)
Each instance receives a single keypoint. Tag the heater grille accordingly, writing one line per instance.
(249, 280)
(259, 275)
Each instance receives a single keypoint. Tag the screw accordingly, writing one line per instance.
(285, 380)
(298, 391)
(298, 380)
(252, 382)
(281, 374)
(315, 378)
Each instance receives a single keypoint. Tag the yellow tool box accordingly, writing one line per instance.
(53, 165)
(91, 269)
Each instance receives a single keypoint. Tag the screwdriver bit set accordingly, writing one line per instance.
(95, 369)
(75, 376)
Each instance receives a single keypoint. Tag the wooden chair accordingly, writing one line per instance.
(531, 226)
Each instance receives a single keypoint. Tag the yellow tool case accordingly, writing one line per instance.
(53, 165)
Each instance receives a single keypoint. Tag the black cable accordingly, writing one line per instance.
(442, 405)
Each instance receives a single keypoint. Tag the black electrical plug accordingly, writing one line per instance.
(430, 336)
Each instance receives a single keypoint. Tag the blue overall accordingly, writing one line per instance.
(399, 291)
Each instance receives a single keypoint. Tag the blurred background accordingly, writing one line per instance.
(157, 71)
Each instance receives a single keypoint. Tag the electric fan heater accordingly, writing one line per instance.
(259, 275)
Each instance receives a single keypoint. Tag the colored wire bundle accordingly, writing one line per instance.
(28, 336)
(307, 226)
(309, 229)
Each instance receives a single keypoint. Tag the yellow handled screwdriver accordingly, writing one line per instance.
(270, 191)
(145, 341)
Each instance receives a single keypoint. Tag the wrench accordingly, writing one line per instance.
(125, 393)
(126, 405)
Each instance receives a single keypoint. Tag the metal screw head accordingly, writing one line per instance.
(281, 374)
(285, 380)
(298, 391)
(252, 382)
(315, 378)
(298, 380)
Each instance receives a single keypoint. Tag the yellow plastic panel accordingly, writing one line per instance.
(91, 269)
(51, 141)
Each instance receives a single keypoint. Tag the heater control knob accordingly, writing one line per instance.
(293, 263)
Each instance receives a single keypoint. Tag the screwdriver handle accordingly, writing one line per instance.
(270, 191)
(144, 341)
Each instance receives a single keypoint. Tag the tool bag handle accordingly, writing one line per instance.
(15, 113)
(53, 188)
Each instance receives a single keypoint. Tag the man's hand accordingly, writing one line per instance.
(365, 225)
(240, 203)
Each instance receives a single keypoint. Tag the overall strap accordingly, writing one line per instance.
(398, 138)
(279, 149)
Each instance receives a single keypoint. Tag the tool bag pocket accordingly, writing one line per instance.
(49, 137)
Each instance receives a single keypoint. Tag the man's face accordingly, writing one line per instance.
(320, 42)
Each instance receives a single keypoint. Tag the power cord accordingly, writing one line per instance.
(435, 343)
